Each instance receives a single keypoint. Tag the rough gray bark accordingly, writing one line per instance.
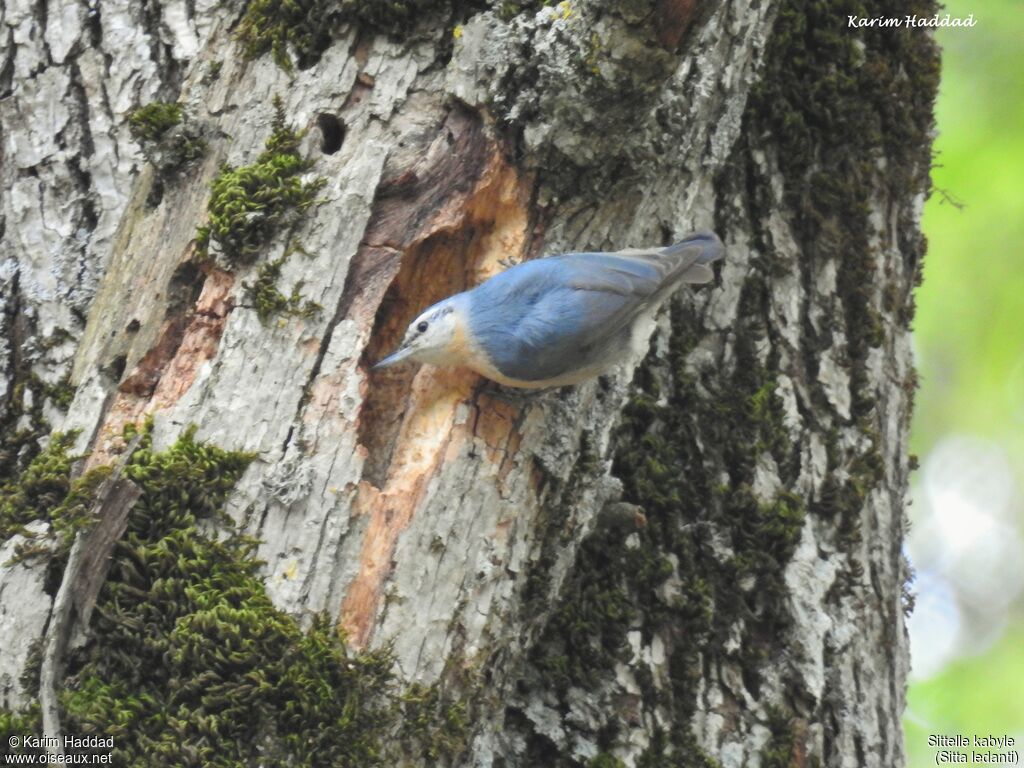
(694, 561)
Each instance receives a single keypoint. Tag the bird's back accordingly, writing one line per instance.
(543, 320)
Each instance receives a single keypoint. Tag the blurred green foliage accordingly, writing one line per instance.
(968, 329)
(971, 305)
(973, 696)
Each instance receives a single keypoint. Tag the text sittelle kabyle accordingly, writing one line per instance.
(938, 20)
(1005, 753)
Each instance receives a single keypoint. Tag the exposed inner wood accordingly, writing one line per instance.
(439, 229)
(165, 373)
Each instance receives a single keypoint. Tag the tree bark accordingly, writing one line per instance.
(695, 560)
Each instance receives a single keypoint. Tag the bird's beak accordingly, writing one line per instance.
(395, 357)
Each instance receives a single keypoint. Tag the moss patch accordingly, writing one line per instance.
(17, 724)
(266, 297)
(45, 491)
(32, 493)
(778, 752)
(153, 121)
(297, 33)
(301, 28)
(587, 633)
(26, 484)
(666, 574)
(508, 9)
(168, 139)
(191, 664)
(432, 726)
(665, 459)
(851, 114)
(392, 16)
(23, 423)
(661, 754)
(249, 205)
(604, 760)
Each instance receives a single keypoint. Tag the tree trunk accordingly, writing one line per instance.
(693, 561)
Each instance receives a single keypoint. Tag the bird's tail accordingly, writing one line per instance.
(694, 254)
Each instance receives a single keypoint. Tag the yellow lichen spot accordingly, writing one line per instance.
(566, 8)
(291, 570)
(457, 32)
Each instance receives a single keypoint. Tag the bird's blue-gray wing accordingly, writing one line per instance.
(543, 319)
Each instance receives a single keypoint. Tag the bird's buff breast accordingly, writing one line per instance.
(464, 351)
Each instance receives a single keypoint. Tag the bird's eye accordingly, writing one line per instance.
(422, 327)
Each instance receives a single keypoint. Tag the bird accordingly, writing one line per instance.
(559, 320)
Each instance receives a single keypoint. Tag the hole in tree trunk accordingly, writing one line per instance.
(115, 369)
(332, 132)
(430, 272)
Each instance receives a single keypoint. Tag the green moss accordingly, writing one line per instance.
(151, 122)
(508, 9)
(391, 16)
(60, 394)
(769, 531)
(248, 205)
(191, 664)
(836, 103)
(614, 587)
(673, 431)
(75, 511)
(302, 27)
(30, 674)
(15, 725)
(766, 410)
(266, 297)
(168, 139)
(604, 760)
(23, 423)
(39, 488)
(842, 499)
(213, 69)
(586, 634)
(298, 32)
(661, 754)
(432, 727)
(67, 518)
(45, 491)
(778, 752)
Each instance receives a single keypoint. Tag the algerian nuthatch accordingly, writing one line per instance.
(559, 320)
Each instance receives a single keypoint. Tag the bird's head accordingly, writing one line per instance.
(436, 336)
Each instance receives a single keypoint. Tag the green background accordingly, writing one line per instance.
(967, 514)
